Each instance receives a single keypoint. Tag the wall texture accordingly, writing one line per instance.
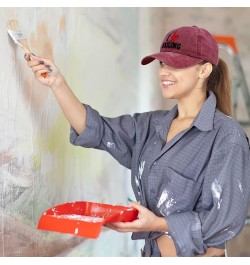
(99, 52)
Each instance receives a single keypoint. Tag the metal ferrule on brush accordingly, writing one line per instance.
(16, 36)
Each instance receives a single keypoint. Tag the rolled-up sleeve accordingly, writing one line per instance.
(225, 199)
(114, 135)
(92, 135)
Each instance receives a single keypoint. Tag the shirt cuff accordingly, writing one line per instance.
(91, 136)
(185, 230)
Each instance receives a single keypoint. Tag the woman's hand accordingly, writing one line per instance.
(147, 221)
(41, 66)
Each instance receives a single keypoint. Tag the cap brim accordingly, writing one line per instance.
(175, 60)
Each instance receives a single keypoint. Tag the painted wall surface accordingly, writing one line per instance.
(99, 52)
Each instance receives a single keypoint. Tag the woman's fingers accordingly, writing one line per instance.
(38, 67)
(27, 57)
(137, 206)
(36, 60)
(123, 226)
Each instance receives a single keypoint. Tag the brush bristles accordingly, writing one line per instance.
(14, 30)
(16, 34)
(13, 25)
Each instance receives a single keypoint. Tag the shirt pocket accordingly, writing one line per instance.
(177, 193)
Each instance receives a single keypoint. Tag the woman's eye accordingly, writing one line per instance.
(161, 63)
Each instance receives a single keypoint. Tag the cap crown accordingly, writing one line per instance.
(191, 41)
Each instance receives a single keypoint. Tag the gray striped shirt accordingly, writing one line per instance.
(199, 181)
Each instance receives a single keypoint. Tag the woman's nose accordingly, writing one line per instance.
(164, 71)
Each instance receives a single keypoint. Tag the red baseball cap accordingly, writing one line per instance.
(186, 46)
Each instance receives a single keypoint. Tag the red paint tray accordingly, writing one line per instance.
(84, 218)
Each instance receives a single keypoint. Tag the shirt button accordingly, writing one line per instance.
(154, 163)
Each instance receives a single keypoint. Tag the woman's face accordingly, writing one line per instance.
(180, 83)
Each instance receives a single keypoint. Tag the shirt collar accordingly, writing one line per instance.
(163, 123)
(204, 121)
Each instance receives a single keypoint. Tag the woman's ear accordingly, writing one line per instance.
(205, 70)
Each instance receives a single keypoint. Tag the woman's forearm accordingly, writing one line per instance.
(73, 109)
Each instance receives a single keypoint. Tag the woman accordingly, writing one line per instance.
(189, 165)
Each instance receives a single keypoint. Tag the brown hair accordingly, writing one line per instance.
(219, 82)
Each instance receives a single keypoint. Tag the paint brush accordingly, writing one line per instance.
(18, 37)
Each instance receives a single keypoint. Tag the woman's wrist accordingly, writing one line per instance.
(59, 85)
(162, 224)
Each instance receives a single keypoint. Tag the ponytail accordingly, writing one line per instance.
(220, 83)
